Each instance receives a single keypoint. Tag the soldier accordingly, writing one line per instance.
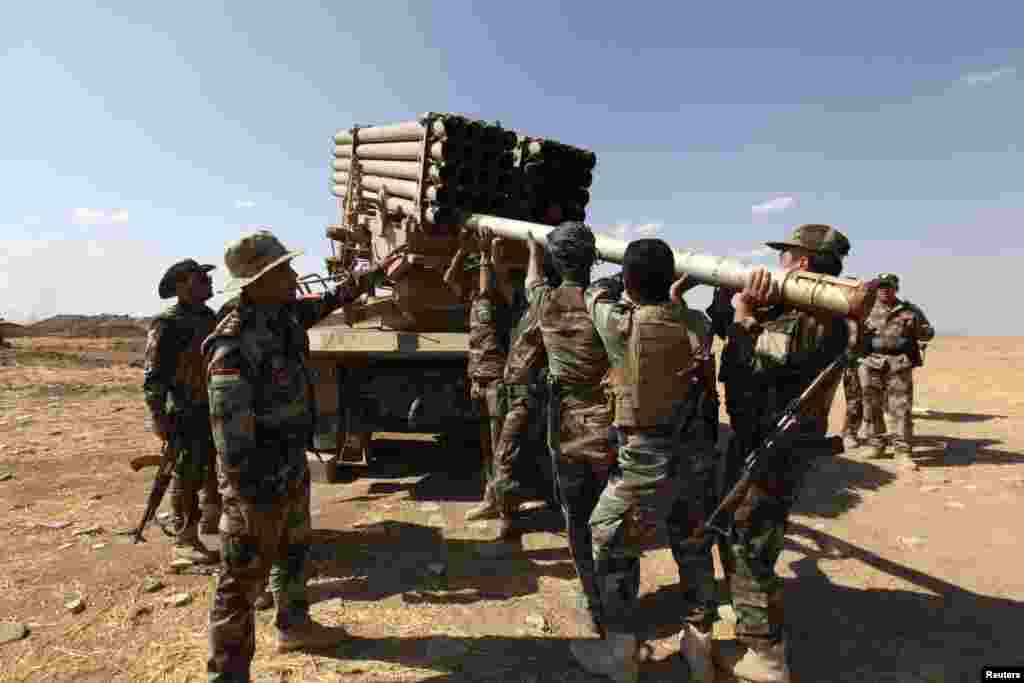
(174, 386)
(578, 413)
(524, 404)
(897, 327)
(665, 411)
(488, 350)
(262, 423)
(773, 354)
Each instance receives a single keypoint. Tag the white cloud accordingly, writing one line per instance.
(774, 205)
(628, 230)
(244, 204)
(86, 216)
(32, 220)
(986, 77)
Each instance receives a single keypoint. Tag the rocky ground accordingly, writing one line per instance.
(892, 575)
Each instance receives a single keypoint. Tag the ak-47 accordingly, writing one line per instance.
(823, 387)
(162, 480)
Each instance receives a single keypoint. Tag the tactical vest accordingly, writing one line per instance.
(663, 353)
(526, 355)
(190, 327)
(576, 356)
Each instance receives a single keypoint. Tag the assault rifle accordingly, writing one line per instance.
(168, 454)
(821, 390)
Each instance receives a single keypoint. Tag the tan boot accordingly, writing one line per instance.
(753, 664)
(695, 648)
(488, 509)
(310, 636)
(187, 546)
(614, 657)
(210, 522)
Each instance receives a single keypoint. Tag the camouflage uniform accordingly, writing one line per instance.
(888, 374)
(488, 349)
(174, 386)
(772, 358)
(579, 417)
(661, 380)
(259, 389)
(522, 402)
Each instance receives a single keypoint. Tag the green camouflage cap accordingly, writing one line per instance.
(252, 257)
(889, 280)
(169, 282)
(823, 239)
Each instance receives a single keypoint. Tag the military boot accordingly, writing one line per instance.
(614, 656)
(296, 631)
(210, 521)
(850, 441)
(695, 648)
(754, 664)
(488, 509)
(877, 452)
(187, 546)
(508, 508)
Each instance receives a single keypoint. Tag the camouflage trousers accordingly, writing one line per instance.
(854, 402)
(487, 395)
(896, 388)
(193, 489)
(656, 482)
(258, 540)
(751, 552)
(581, 469)
(521, 433)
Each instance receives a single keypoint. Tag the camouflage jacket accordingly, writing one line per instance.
(488, 338)
(902, 320)
(767, 365)
(576, 356)
(174, 382)
(526, 356)
(259, 389)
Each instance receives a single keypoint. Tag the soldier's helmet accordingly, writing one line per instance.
(816, 237)
(168, 283)
(253, 256)
(889, 280)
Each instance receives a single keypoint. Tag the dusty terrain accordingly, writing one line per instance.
(896, 576)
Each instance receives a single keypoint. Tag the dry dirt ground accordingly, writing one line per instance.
(896, 576)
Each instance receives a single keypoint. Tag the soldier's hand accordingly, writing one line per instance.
(680, 287)
(498, 252)
(485, 239)
(754, 294)
(467, 239)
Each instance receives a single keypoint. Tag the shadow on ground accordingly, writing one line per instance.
(948, 451)
(957, 417)
(944, 633)
(376, 561)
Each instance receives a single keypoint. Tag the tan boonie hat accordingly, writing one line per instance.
(889, 280)
(252, 256)
(816, 237)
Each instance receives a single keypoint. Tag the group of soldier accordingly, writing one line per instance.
(617, 375)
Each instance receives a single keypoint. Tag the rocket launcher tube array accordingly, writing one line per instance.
(841, 296)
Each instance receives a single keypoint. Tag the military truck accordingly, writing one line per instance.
(395, 361)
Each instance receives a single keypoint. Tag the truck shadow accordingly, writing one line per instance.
(957, 417)
(382, 559)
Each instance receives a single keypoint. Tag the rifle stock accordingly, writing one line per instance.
(156, 493)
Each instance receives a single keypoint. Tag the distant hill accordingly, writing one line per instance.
(104, 325)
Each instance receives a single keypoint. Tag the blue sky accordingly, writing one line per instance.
(138, 133)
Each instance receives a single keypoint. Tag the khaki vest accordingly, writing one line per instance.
(662, 355)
